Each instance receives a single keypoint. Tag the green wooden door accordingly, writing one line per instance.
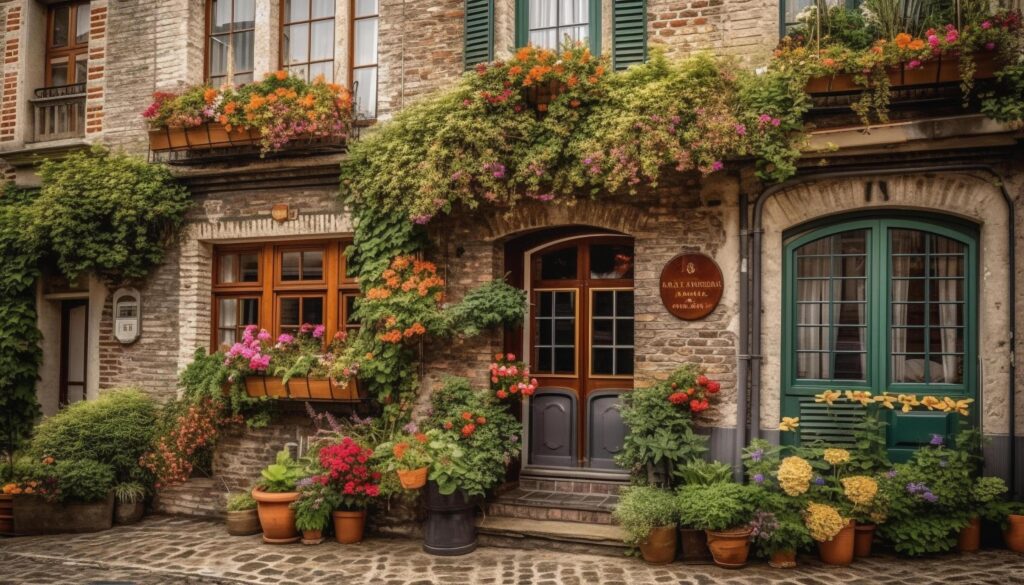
(884, 305)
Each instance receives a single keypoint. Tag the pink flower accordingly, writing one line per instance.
(422, 219)
(764, 118)
(285, 339)
(913, 64)
(986, 25)
(776, 122)
(717, 165)
(741, 129)
(933, 41)
(990, 46)
(318, 331)
(264, 335)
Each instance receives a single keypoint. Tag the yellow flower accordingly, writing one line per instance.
(931, 402)
(862, 396)
(837, 456)
(823, 521)
(886, 400)
(828, 396)
(909, 401)
(789, 423)
(794, 475)
(859, 489)
(960, 406)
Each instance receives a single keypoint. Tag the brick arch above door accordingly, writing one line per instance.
(525, 217)
(958, 195)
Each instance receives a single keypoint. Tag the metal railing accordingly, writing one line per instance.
(58, 112)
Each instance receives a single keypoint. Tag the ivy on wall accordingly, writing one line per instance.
(109, 214)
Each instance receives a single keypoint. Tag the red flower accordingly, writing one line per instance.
(480, 420)
(501, 394)
(467, 416)
(448, 425)
(677, 398)
(714, 387)
(702, 380)
(698, 405)
(468, 429)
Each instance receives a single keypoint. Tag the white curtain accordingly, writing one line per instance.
(948, 267)
(902, 242)
(812, 291)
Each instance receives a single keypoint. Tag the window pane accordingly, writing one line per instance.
(565, 360)
(604, 303)
(218, 55)
(850, 338)
(290, 265)
(312, 265)
(82, 24)
(227, 313)
(365, 8)
(326, 69)
(296, 43)
(313, 310)
(602, 331)
(850, 366)
(366, 91)
(624, 362)
(544, 332)
(296, 10)
(565, 304)
(322, 46)
(226, 338)
(946, 290)
(323, 8)
(908, 266)
(250, 312)
(300, 71)
(576, 34)
(544, 39)
(365, 42)
(81, 68)
(573, 12)
(813, 365)
(228, 268)
(545, 304)
(559, 264)
(250, 267)
(243, 50)
(602, 361)
(624, 301)
(611, 261)
(946, 340)
(565, 332)
(59, 72)
(543, 13)
(624, 332)
(946, 369)
(908, 368)
(544, 360)
(350, 310)
(221, 14)
(245, 14)
(289, 312)
(61, 23)
(812, 338)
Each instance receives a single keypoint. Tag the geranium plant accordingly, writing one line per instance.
(346, 467)
(510, 377)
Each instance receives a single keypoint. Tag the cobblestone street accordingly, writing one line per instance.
(163, 550)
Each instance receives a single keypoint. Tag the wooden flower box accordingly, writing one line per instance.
(540, 95)
(931, 72)
(304, 388)
(206, 136)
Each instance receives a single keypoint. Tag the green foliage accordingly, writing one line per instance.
(718, 506)
(129, 492)
(83, 480)
(642, 508)
(487, 306)
(281, 475)
(315, 504)
(778, 524)
(871, 455)
(115, 429)
(110, 214)
(241, 501)
(702, 472)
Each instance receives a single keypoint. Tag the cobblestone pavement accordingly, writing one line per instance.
(178, 551)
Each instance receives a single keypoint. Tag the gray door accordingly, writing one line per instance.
(605, 430)
(553, 428)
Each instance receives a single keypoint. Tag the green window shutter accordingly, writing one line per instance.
(629, 41)
(479, 33)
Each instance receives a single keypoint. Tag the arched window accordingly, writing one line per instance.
(884, 305)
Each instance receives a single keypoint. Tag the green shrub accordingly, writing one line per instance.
(702, 472)
(115, 429)
(719, 506)
(83, 480)
(642, 508)
(240, 501)
(129, 492)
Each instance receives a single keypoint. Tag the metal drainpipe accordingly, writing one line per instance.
(744, 345)
(908, 170)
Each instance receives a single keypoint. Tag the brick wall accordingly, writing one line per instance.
(747, 29)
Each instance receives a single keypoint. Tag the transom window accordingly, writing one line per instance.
(307, 38)
(280, 287)
(67, 44)
(231, 29)
(548, 23)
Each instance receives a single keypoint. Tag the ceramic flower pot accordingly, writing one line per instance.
(413, 479)
(969, 539)
(6, 513)
(660, 546)
(311, 537)
(349, 525)
(782, 559)
(243, 522)
(694, 545)
(730, 548)
(128, 513)
(1014, 535)
(276, 516)
(839, 550)
(864, 535)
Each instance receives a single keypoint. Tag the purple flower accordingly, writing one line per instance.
(930, 497)
(264, 335)
(936, 441)
(422, 219)
(758, 478)
(411, 428)
(757, 455)
(717, 165)
(986, 25)
(891, 473)
(819, 480)
(913, 488)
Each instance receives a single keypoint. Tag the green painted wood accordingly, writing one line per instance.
(479, 33)
(629, 32)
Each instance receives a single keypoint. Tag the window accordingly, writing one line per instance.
(364, 56)
(884, 305)
(307, 38)
(280, 287)
(789, 10)
(67, 44)
(548, 23)
(231, 26)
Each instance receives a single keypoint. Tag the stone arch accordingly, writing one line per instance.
(957, 194)
(525, 217)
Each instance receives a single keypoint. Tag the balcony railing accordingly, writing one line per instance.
(58, 112)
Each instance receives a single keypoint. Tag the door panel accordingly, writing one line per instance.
(553, 428)
(605, 429)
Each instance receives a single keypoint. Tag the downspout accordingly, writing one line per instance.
(908, 170)
(744, 343)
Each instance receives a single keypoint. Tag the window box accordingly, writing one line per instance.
(541, 94)
(932, 72)
(209, 135)
(304, 388)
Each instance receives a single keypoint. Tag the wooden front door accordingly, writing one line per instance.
(580, 349)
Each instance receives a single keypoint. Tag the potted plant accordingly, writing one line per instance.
(867, 510)
(274, 495)
(648, 515)
(317, 500)
(833, 532)
(1013, 529)
(242, 519)
(345, 466)
(724, 511)
(129, 502)
(777, 530)
(693, 541)
(408, 456)
(54, 497)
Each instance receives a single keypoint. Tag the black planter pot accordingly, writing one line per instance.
(450, 529)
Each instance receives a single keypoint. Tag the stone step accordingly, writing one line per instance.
(574, 486)
(572, 537)
(559, 506)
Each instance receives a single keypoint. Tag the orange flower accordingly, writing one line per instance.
(307, 101)
(524, 53)
(281, 75)
(392, 336)
(230, 107)
(902, 40)
(400, 449)
(423, 265)
(916, 45)
(400, 262)
(209, 95)
(572, 81)
(467, 416)
(378, 293)
(271, 98)
(515, 70)
(421, 438)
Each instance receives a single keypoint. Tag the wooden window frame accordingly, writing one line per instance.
(230, 73)
(283, 64)
(73, 49)
(334, 287)
(352, 54)
(522, 20)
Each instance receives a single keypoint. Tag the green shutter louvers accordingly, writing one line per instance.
(479, 33)
(629, 41)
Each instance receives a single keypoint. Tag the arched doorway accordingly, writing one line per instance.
(578, 341)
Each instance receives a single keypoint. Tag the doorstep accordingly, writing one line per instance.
(534, 504)
(552, 535)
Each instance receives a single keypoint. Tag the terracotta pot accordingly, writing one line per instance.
(6, 514)
(694, 545)
(730, 547)
(319, 388)
(312, 536)
(783, 559)
(660, 546)
(298, 387)
(128, 513)
(839, 550)
(969, 539)
(864, 535)
(1014, 535)
(413, 479)
(243, 522)
(276, 516)
(349, 525)
(926, 74)
(271, 386)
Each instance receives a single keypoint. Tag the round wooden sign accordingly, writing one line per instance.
(691, 286)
